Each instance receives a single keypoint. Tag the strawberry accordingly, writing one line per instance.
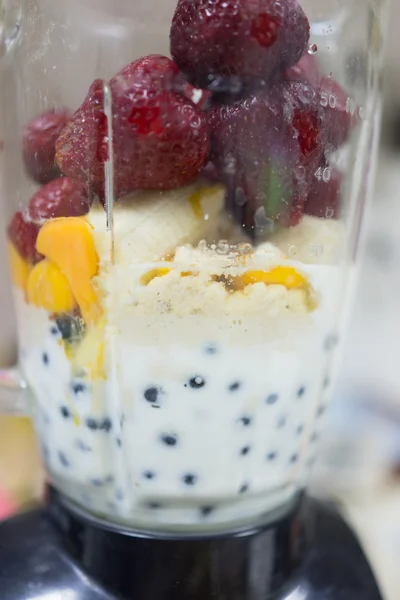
(160, 137)
(23, 234)
(59, 198)
(250, 39)
(39, 144)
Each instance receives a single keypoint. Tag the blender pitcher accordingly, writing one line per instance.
(183, 189)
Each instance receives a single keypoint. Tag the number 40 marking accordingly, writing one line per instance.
(323, 174)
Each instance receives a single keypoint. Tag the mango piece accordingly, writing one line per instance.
(150, 275)
(19, 267)
(287, 276)
(68, 243)
(48, 288)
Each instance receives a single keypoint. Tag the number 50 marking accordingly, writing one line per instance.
(328, 100)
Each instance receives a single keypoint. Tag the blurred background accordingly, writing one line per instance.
(359, 463)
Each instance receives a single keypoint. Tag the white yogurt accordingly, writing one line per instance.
(200, 421)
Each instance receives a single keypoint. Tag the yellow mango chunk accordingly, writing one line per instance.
(150, 275)
(19, 267)
(48, 288)
(68, 243)
(287, 276)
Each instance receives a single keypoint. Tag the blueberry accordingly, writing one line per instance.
(301, 391)
(78, 387)
(272, 399)
(65, 412)
(206, 510)
(245, 450)
(189, 479)
(63, 459)
(149, 475)
(300, 429)
(197, 382)
(169, 439)
(45, 358)
(92, 424)
(82, 446)
(271, 456)
(244, 488)
(151, 394)
(234, 386)
(210, 350)
(105, 425)
(245, 421)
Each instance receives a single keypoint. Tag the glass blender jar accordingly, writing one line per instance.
(183, 189)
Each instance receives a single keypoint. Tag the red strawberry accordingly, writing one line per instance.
(23, 234)
(324, 196)
(59, 198)
(332, 98)
(160, 138)
(246, 38)
(39, 144)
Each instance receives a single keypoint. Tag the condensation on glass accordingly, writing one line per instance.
(183, 188)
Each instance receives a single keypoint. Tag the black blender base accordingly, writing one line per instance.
(308, 553)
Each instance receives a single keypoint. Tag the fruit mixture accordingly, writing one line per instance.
(178, 352)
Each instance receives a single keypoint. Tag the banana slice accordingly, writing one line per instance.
(148, 226)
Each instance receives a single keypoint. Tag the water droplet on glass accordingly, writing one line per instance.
(312, 49)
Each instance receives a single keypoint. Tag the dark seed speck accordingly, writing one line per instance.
(210, 350)
(65, 412)
(234, 386)
(151, 394)
(169, 439)
(301, 391)
(314, 437)
(206, 510)
(189, 479)
(119, 494)
(97, 482)
(245, 421)
(149, 475)
(105, 425)
(272, 398)
(78, 387)
(45, 358)
(154, 505)
(54, 330)
(321, 411)
(300, 429)
(244, 489)
(330, 342)
(326, 383)
(271, 456)
(281, 422)
(294, 458)
(92, 424)
(197, 382)
(63, 459)
(119, 442)
(245, 450)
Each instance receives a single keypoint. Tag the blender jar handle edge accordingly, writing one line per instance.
(12, 388)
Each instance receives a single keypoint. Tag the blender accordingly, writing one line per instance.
(183, 188)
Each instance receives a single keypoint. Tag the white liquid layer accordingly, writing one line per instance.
(225, 437)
